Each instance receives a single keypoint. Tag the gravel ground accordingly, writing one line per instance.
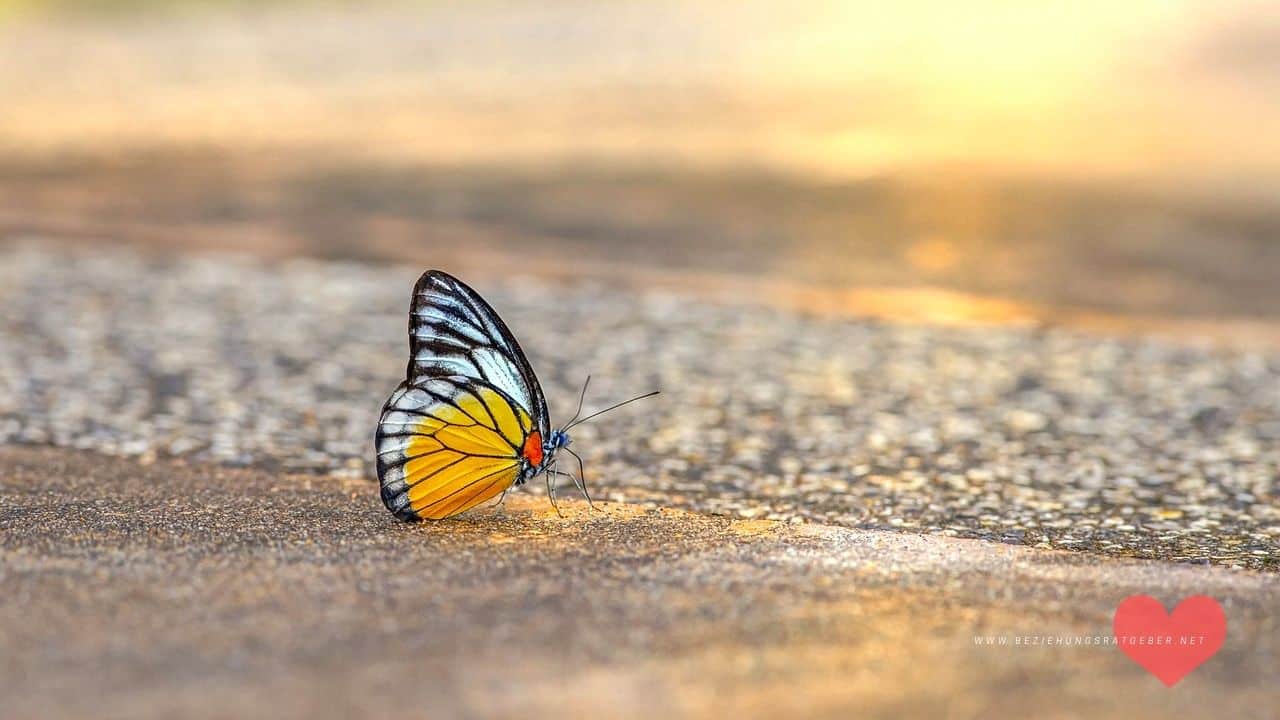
(1042, 437)
(189, 590)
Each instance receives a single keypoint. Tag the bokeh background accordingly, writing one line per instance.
(946, 160)
(966, 318)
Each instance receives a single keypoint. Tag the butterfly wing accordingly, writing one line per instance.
(446, 445)
(452, 435)
(453, 331)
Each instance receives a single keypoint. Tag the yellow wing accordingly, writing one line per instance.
(446, 445)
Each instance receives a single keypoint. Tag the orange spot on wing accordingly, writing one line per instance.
(533, 448)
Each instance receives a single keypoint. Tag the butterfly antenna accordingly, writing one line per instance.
(581, 397)
(611, 407)
(581, 480)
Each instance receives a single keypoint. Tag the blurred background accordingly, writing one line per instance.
(921, 160)
(925, 268)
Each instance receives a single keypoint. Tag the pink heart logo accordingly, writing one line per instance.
(1169, 645)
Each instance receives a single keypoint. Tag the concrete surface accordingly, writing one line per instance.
(1052, 438)
(173, 588)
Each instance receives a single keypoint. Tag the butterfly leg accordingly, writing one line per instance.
(551, 492)
(581, 480)
(501, 497)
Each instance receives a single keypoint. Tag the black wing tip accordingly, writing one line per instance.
(438, 275)
(407, 515)
(436, 278)
(398, 504)
(442, 282)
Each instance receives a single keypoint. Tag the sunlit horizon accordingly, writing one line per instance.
(1169, 94)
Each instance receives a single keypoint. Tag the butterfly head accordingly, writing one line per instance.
(559, 439)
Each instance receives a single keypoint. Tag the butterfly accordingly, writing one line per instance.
(469, 421)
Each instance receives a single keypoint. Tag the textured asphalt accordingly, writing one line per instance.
(1042, 437)
(185, 589)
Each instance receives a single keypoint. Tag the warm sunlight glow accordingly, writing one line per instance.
(1166, 93)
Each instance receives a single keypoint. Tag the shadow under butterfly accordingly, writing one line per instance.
(469, 421)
